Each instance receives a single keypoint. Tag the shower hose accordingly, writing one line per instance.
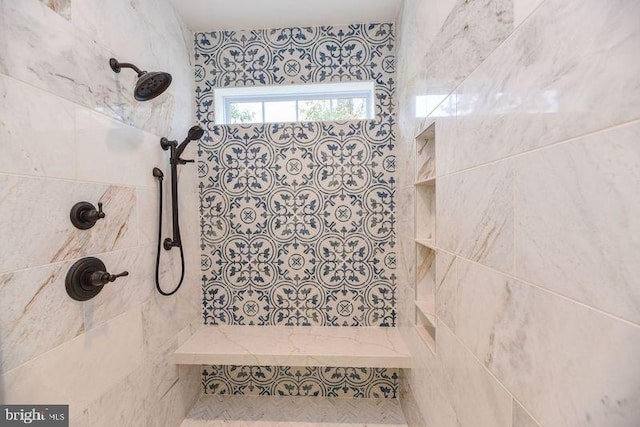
(160, 179)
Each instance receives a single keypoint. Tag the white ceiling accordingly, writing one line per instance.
(208, 15)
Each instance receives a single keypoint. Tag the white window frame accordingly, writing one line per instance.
(224, 97)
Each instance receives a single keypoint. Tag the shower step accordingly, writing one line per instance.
(263, 411)
(371, 347)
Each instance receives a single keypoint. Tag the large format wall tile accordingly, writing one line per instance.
(522, 9)
(469, 34)
(428, 383)
(568, 364)
(110, 151)
(474, 216)
(81, 370)
(475, 395)
(568, 70)
(520, 417)
(125, 293)
(577, 220)
(84, 76)
(37, 314)
(131, 401)
(40, 209)
(70, 131)
(36, 131)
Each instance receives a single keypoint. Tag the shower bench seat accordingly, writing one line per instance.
(372, 347)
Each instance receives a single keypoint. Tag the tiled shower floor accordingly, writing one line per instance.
(259, 411)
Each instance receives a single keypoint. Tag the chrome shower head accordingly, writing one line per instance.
(149, 85)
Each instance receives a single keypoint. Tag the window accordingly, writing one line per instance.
(295, 103)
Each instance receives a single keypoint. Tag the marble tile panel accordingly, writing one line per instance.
(80, 419)
(522, 9)
(567, 364)
(446, 286)
(427, 381)
(471, 31)
(406, 261)
(99, 19)
(405, 152)
(123, 405)
(67, 63)
(426, 275)
(410, 407)
(125, 293)
(40, 210)
(425, 155)
(71, 64)
(61, 7)
(164, 317)
(110, 151)
(475, 215)
(476, 396)
(173, 407)
(405, 199)
(37, 314)
(147, 199)
(577, 222)
(132, 400)
(425, 212)
(566, 71)
(520, 417)
(81, 370)
(406, 304)
(160, 16)
(36, 131)
(419, 23)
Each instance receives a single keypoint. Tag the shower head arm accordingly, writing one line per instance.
(194, 134)
(180, 148)
(118, 66)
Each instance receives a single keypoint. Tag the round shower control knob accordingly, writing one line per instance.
(86, 278)
(84, 215)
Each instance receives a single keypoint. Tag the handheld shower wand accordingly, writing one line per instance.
(176, 151)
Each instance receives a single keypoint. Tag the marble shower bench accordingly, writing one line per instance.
(328, 346)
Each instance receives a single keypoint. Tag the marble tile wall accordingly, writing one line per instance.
(538, 314)
(298, 220)
(70, 131)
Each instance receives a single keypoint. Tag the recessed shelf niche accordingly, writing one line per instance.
(426, 154)
(425, 234)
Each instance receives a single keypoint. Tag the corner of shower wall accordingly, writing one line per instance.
(71, 131)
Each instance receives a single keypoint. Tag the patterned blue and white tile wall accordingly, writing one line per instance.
(298, 219)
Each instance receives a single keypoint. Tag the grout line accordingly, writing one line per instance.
(554, 293)
(491, 374)
(111, 252)
(75, 181)
(548, 146)
(540, 287)
(514, 177)
(77, 337)
(525, 410)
